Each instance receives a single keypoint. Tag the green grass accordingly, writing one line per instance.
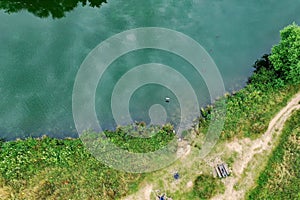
(281, 177)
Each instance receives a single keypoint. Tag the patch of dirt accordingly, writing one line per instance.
(189, 184)
(142, 194)
(5, 193)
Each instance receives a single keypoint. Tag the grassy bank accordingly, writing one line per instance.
(280, 179)
(48, 168)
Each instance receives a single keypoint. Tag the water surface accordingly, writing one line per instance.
(41, 52)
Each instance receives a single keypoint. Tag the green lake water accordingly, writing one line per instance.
(40, 56)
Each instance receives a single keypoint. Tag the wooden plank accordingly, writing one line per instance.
(222, 171)
(219, 174)
(226, 169)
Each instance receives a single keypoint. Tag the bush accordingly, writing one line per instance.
(207, 186)
(286, 55)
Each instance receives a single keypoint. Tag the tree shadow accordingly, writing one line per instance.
(46, 8)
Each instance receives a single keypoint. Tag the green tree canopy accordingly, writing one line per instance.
(46, 8)
(286, 55)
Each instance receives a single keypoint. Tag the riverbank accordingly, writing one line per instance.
(48, 168)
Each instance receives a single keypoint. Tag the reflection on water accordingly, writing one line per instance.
(39, 57)
(46, 8)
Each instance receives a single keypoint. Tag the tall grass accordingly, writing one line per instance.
(281, 177)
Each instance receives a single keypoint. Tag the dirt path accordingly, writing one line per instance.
(149, 191)
(247, 149)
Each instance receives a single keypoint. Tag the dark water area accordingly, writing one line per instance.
(43, 44)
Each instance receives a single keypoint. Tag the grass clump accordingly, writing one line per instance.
(140, 139)
(206, 186)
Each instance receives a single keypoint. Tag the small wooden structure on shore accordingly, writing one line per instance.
(222, 170)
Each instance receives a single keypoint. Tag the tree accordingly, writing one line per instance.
(285, 56)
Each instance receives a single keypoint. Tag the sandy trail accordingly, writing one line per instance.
(248, 149)
(147, 189)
